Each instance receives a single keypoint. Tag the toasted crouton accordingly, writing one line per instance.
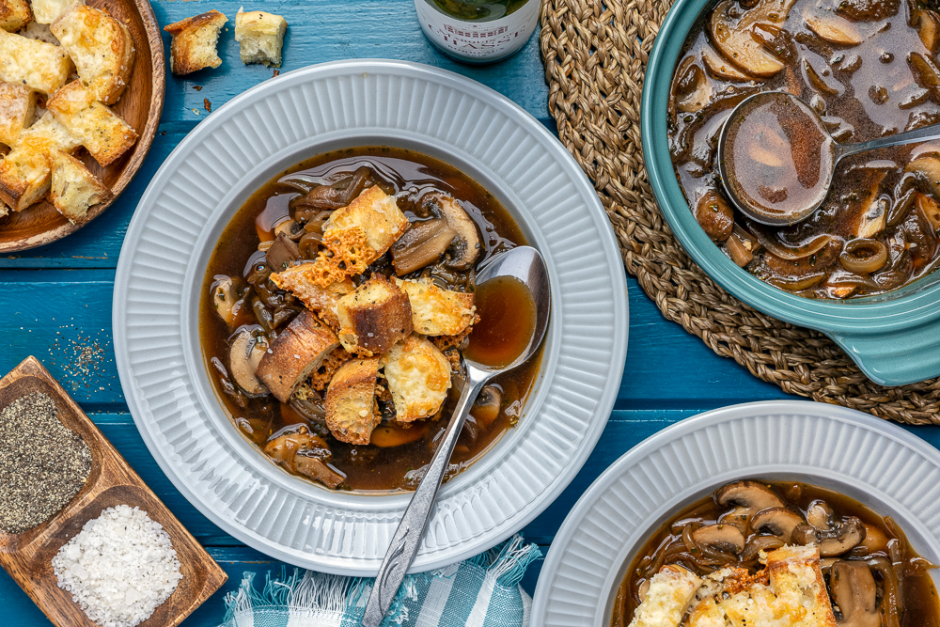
(350, 401)
(374, 317)
(101, 131)
(418, 376)
(437, 311)
(33, 63)
(261, 36)
(25, 175)
(670, 592)
(298, 281)
(14, 14)
(294, 354)
(363, 231)
(101, 48)
(194, 42)
(17, 110)
(48, 11)
(74, 189)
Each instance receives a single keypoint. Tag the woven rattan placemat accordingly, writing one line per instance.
(595, 55)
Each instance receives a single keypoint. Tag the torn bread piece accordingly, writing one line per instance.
(436, 311)
(25, 175)
(294, 354)
(17, 110)
(74, 188)
(194, 42)
(260, 36)
(351, 412)
(298, 280)
(364, 230)
(374, 317)
(48, 11)
(418, 376)
(100, 47)
(14, 14)
(101, 131)
(670, 593)
(33, 63)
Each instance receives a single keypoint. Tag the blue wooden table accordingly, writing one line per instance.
(55, 302)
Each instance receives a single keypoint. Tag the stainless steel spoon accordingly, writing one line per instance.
(523, 263)
(836, 152)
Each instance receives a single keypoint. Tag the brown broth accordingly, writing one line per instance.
(919, 600)
(507, 321)
(369, 468)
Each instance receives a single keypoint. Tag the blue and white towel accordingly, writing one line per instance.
(480, 592)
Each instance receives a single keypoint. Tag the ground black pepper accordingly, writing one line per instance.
(43, 464)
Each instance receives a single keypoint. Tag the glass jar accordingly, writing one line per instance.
(478, 31)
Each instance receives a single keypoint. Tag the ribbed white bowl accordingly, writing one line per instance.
(874, 461)
(274, 126)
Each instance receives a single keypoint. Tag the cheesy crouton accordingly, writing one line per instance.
(14, 14)
(260, 36)
(194, 42)
(418, 376)
(101, 131)
(17, 110)
(670, 593)
(25, 174)
(363, 231)
(437, 311)
(798, 586)
(101, 49)
(74, 189)
(374, 317)
(351, 412)
(294, 354)
(33, 63)
(48, 11)
(298, 280)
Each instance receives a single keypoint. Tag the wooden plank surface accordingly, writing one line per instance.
(55, 301)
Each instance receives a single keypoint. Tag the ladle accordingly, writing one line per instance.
(525, 264)
(807, 162)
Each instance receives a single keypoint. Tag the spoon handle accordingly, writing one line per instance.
(925, 133)
(407, 538)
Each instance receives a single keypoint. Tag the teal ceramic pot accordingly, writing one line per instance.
(894, 338)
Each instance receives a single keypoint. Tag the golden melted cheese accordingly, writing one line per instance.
(418, 376)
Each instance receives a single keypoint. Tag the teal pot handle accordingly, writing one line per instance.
(894, 338)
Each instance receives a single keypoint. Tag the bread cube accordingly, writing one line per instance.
(101, 131)
(437, 311)
(418, 376)
(17, 110)
(363, 231)
(350, 401)
(48, 11)
(194, 42)
(35, 64)
(101, 49)
(295, 353)
(25, 173)
(74, 189)
(14, 14)
(374, 317)
(261, 36)
(299, 281)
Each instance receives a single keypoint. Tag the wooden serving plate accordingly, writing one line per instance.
(140, 106)
(27, 557)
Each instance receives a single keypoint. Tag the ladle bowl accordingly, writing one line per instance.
(800, 157)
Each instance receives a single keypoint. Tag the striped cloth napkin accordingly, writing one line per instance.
(480, 592)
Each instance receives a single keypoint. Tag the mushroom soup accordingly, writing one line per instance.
(869, 68)
(755, 553)
(335, 309)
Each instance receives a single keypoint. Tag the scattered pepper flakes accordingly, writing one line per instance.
(277, 72)
(207, 104)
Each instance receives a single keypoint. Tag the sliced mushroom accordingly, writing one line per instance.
(246, 353)
(724, 538)
(842, 537)
(486, 408)
(820, 515)
(834, 29)
(749, 497)
(467, 247)
(306, 454)
(715, 216)
(855, 593)
(929, 169)
(777, 520)
(734, 37)
(875, 539)
(930, 208)
(224, 297)
(721, 68)
(693, 91)
(282, 253)
(925, 73)
(928, 28)
(421, 245)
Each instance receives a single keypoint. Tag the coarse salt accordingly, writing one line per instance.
(119, 568)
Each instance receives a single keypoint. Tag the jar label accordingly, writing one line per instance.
(478, 41)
